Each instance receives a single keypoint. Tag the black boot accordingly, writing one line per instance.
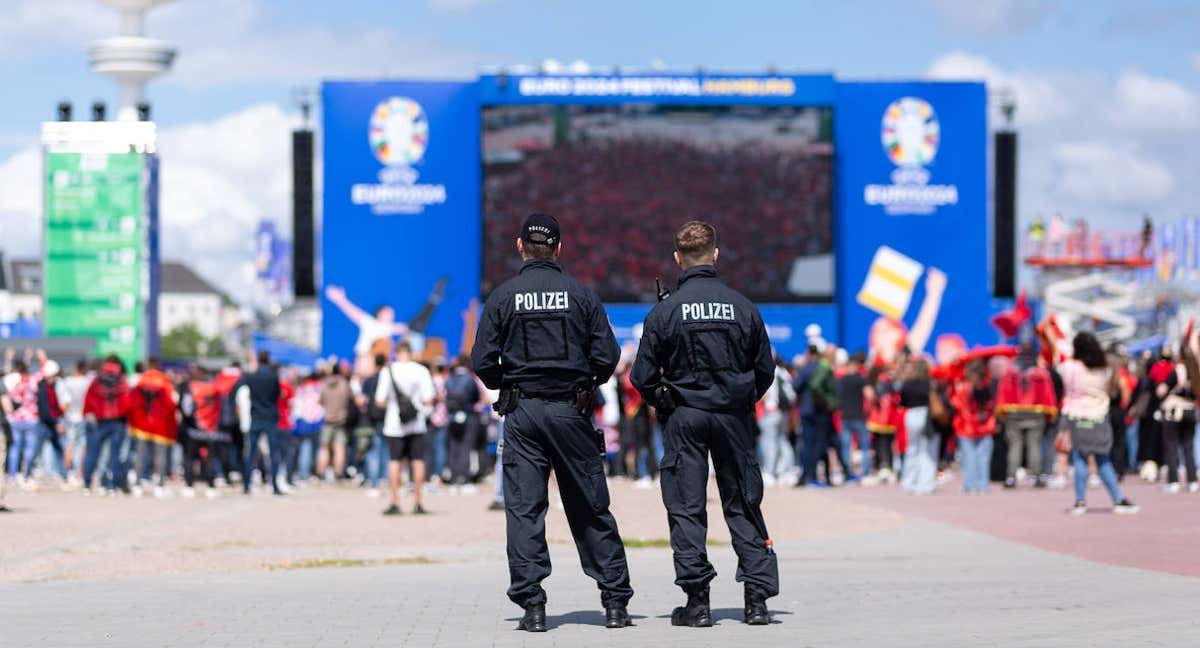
(534, 619)
(696, 614)
(616, 616)
(756, 609)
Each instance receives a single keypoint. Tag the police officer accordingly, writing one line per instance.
(545, 342)
(704, 360)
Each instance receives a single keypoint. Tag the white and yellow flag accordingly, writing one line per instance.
(890, 282)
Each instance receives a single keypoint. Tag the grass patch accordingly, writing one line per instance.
(324, 563)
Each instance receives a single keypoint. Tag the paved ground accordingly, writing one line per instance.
(859, 567)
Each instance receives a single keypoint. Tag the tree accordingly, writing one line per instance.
(185, 342)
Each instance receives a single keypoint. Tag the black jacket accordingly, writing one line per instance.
(708, 344)
(264, 395)
(544, 331)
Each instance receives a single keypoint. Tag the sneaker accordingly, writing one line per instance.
(1010, 483)
(1125, 507)
(419, 510)
(87, 492)
(852, 479)
(1173, 488)
(643, 483)
(212, 493)
(105, 492)
(137, 491)
(161, 493)
(496, 506)
(373, 493)
(392, 510)
(1079, 509)
(188, 492)
(1194, 487)
(1057, 482)
(469, 489)
(1094, 481)
(768, 480)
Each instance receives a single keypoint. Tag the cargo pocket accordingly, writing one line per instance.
(512, 481)
(598, 495)
(668, 475)
(752, 483)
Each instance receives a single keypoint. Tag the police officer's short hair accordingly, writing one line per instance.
(695, 242)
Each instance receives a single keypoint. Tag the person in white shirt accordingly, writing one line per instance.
(72, 390)
(412, 382)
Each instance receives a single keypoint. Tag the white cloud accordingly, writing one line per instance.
(30, 27)
(218, 179)
(456, 6)
(1145, 102)
(252, 43)
(1037, 95)
(21, 203)
(1092, 173)
(994, 16)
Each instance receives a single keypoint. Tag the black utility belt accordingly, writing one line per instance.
(563, 396)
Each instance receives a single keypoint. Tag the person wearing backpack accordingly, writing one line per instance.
(1025, 403)
(105, 408)
(462, 395)
(406, 390)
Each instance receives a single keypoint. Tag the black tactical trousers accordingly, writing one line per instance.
(540, 435)
(690, 436)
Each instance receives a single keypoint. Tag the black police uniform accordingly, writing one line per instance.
(707, 345)
(547, 335)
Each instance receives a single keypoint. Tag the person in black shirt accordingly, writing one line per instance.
(545, 342)
(703, 362)
(263, 384)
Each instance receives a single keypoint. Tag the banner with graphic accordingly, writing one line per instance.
(912, 217)
(400, 218)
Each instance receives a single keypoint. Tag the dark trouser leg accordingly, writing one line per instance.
(684, 481)
(251, 457)
(272, 457)
(91, 455)
(1187, 438)
(191, 454)
(115, 431)
(459, 453)
(1170, 437)
(739, 480)
(575, 453)
(526, 470)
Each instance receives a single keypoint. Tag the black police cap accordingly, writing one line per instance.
(540, 229)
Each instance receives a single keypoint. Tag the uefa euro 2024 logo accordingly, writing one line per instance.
(398, 133)
(910, 134)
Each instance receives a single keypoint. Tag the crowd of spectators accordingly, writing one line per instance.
(1016, 416)
(172, 431)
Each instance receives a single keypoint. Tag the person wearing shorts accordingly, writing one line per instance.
(412, 381)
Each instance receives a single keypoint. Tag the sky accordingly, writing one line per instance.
(1107, 92)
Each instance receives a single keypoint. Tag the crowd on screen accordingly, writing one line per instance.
(776, 202)
(1025, 416)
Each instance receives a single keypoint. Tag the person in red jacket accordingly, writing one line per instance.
(152, 422)
(105, 408)
(974, 401)
(1026, 403)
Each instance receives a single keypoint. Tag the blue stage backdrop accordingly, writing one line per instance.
(912, 222)
(400, 203)
(402, 196)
